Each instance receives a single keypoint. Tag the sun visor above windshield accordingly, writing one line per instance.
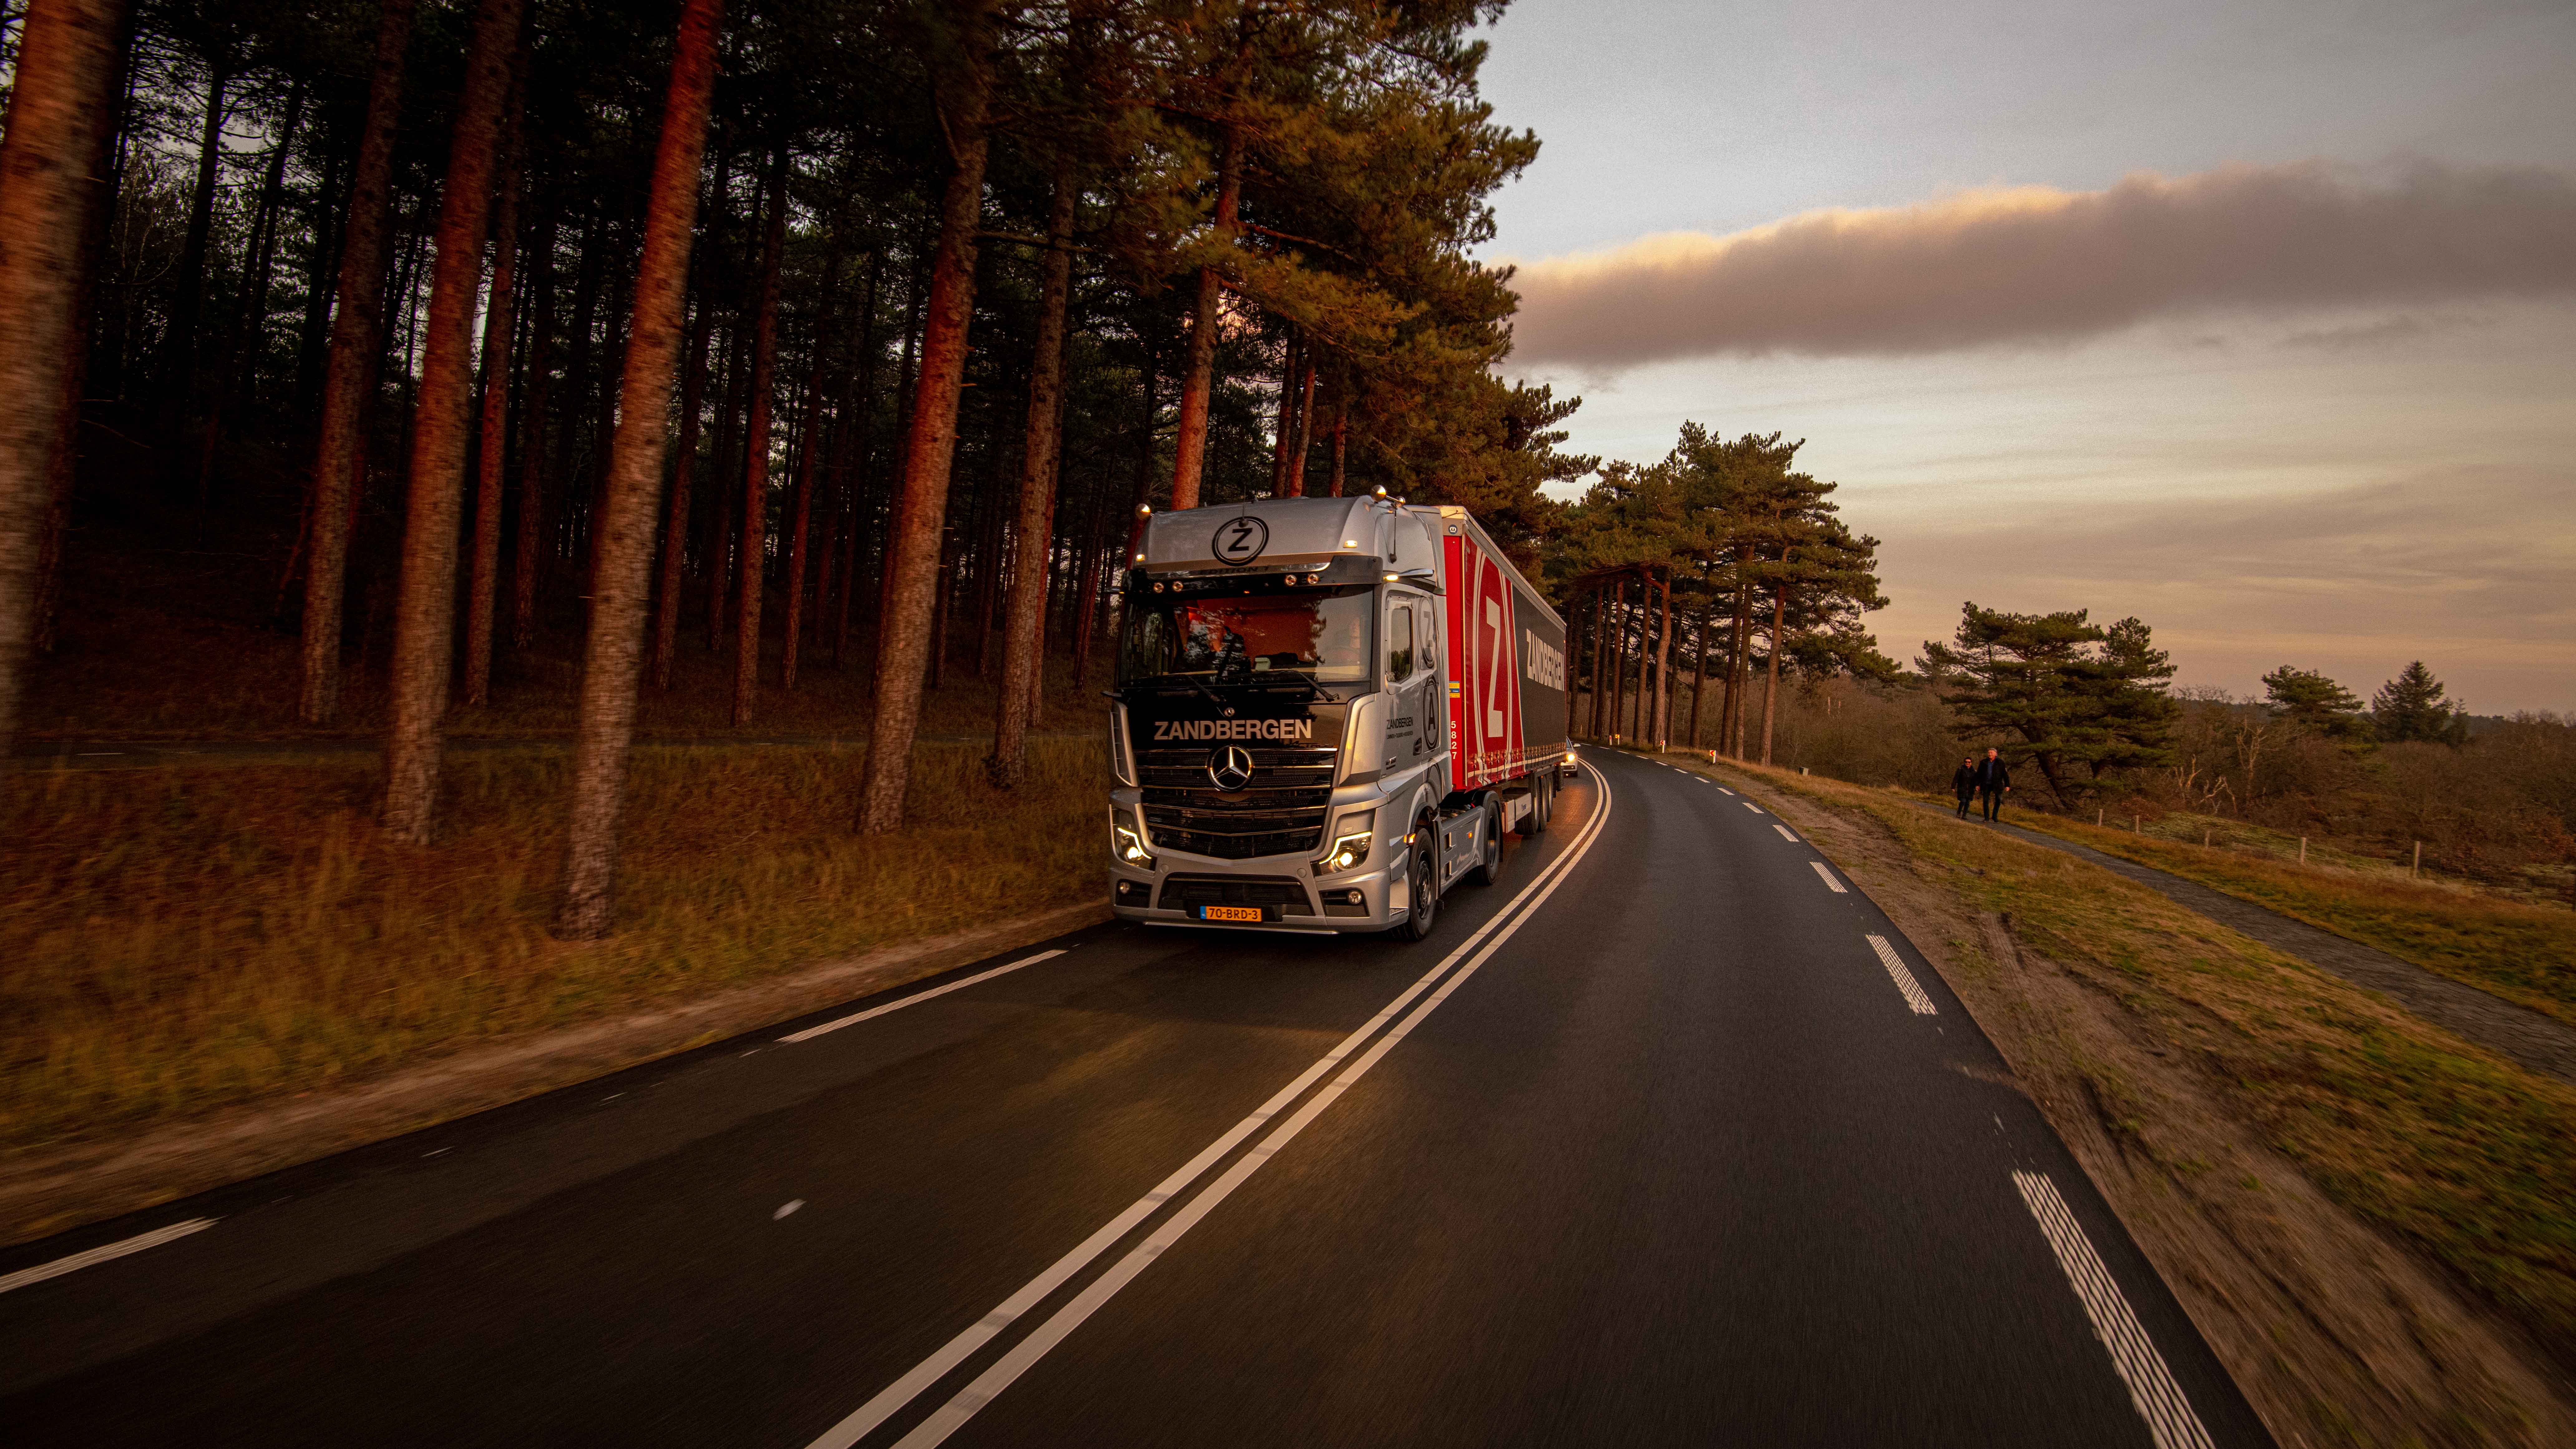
(1277, 535)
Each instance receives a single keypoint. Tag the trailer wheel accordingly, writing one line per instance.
(1542, 803)
(1422, 890)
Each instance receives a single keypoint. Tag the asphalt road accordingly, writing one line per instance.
(1648, 1144)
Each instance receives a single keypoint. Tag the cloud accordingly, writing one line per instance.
(2464, 567)
(2034, 265)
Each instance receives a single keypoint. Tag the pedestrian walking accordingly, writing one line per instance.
(1994, 782)
(1963, 783)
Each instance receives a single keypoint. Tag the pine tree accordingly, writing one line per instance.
(2411, 707)
(2312, 702)
(57, 108)
(2058, 692)
(635, 479)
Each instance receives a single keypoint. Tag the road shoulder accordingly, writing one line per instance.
(48, 1191)
(2186, 1065)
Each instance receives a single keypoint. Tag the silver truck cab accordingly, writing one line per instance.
(1278, 736)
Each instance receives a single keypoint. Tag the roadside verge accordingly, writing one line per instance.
(2372, 1221)
(47, 1191)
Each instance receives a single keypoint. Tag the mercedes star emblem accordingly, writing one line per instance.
(1230, 768)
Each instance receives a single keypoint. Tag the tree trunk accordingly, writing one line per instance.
(58, 107)
(356, 336)
(329, 230)
(1341, 431)
(755, 450)
(425, 620)
(720, 547)
(1189, 445)
(675, 527)
(964, 95)
(99, 207)
(606, 731)
(1699, 672)
(1619, 658)
(1664, 668)
(1024, 643)
(860, 430)
(493, 445)
(1771, 690)
(1283, 431)
(1298, 446)
(1601, 656)
(528, 564)
(179, 344)
(250, 308)
(801, 526)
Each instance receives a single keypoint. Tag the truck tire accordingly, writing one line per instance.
(1489, 863)
(1423, 893)
(1542, 803)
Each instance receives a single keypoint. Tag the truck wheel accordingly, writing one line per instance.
(1489, 865)
(1423, 889)
(1542, 803)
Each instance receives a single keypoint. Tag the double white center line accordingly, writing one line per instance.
(949, 1417)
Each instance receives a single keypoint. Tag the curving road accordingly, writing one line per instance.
(1649, 1144)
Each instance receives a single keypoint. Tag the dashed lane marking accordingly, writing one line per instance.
(1831, 883)
(104, 1253)
(1785, 832)
(1904, 979)
(2159, 1400)
(1749, 805)
(811, 1032)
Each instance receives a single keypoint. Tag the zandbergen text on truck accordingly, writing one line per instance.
(1328, 712)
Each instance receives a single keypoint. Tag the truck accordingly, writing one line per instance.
(1328, 712)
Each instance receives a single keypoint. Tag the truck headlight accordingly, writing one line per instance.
(1127, 842)
(1351, 836)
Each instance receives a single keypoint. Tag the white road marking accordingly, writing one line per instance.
(811, 1032)
(2158, 1398)
(1905, 982)
(1835, 885)
(1749, 805)
(104, 1253)
(1721, 789)
(902, 1391)
(1785, 832)
(789, 1206)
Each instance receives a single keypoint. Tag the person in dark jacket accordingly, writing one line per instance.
(1994, 782)
(1963, 783)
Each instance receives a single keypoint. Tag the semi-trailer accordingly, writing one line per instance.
(1328, 712)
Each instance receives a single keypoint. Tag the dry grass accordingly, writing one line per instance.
(185, 938)
(2523, 952)
(2459, 1152)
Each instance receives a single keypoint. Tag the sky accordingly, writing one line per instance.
(2256, 320)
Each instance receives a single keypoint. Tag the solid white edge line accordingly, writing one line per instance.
(811, 1032)
(1835, 885)
(989, 1384)
(2158, 1399)
(103, 1253)
(1910, 988)
(891, 1399)
(1785, 832)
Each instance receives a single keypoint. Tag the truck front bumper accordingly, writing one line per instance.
(1283, 888)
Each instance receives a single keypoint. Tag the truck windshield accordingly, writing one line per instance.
(1323, 637)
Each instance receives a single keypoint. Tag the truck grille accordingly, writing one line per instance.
(1279, 810)
(1188, 892)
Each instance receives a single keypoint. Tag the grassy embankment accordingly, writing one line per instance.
(186, 938)
(2466, 1157)
(2521, 951)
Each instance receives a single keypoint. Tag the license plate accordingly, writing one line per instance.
(1230, 913)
